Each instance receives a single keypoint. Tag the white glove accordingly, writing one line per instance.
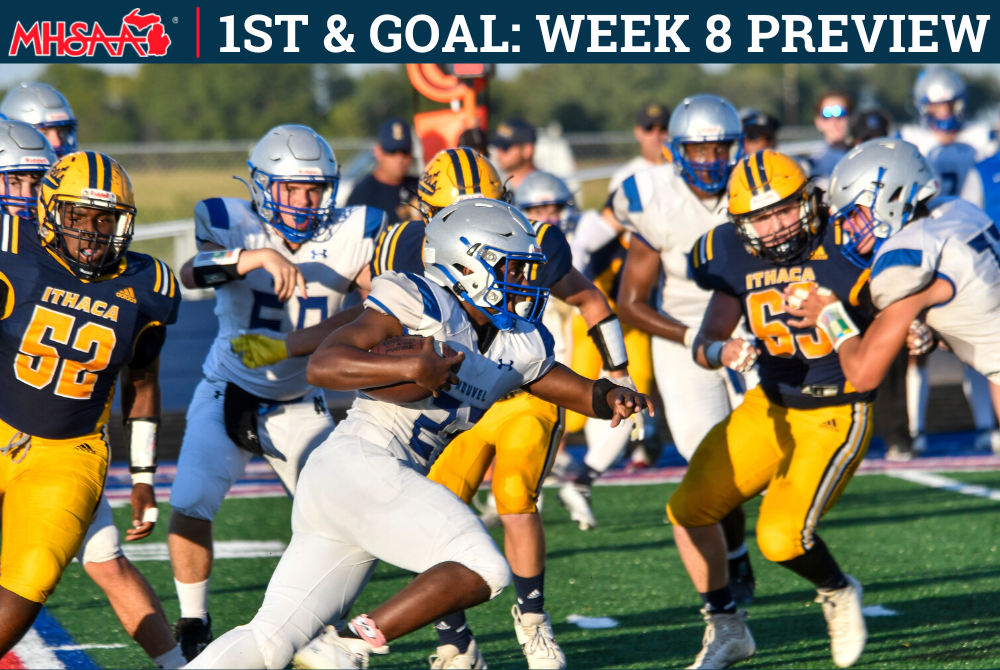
(920, 338)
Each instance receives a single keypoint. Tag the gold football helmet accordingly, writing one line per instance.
(458, 174)
(767, 182)
(86, 211)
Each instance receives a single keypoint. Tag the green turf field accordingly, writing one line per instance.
(930, 555)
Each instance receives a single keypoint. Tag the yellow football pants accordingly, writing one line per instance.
(587, 362)
(523, 432)
(50, 491)
(804, 458)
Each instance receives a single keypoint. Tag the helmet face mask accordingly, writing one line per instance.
(25, 155)
(483, 251)
(796, 217)
(706, 120)
(286, 156)
(88, 228)
(14, 184)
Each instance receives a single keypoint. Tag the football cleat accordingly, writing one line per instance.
(193, 635)
(329, 650)
(741, 580)
(845, 622)
(576, 499)
(727, 640)
(488, 511)
(538, 642)
(448, 656)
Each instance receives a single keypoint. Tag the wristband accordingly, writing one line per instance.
(141, 435)
(713, 354)
(608, 338)
(599, 403)
(837, 324)
(689, 336)
(215, 268)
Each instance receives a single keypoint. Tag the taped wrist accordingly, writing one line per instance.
(141, 436)
(608, 338)
(713, 354)
(215, 268)
(599, 403)
(837, 324)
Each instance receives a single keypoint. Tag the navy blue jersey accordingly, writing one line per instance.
(63, 339)
(798, 367)
(401, 248)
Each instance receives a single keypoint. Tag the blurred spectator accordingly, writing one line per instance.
(866, 126)
(474, 138)
(832, 111)
(388, 187)
(760, 130)
(650, 132)
(514, 144)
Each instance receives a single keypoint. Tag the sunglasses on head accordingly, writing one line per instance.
(833, 112)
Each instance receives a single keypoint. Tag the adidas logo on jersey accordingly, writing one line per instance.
(819, 254)
(85, 448)
(127, 294)
(831, 424)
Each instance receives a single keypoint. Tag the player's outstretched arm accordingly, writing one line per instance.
(642, 272)
(214, 266)
(600, 399)
(865, 359)
(344, 363)
(141, 408)
(577, 291)
(714, 345)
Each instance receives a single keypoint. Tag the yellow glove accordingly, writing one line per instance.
(259, 350)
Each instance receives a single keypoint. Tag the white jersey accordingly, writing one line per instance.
(329, 263)
(955, 163)
(423, 429)
(592, 234)
(658, 205)
(637, 164)
(959, 243)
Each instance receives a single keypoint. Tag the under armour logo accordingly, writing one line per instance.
(318, 253)
(319, 406)
(218, 394)
(501, 364)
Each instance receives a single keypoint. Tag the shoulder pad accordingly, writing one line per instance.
(152, 286)
(410, 299)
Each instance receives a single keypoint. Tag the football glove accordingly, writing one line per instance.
(259, 350)
(920, 339)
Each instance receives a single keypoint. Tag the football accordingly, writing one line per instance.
(405, 392)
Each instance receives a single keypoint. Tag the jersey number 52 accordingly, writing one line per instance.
(763, 308)
(36, 364)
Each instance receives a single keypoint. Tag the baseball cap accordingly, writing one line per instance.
(394, 135)
(511, 132)
(758, 124)
(653, 114)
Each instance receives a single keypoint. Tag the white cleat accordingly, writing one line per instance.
(727, 641)
(447, 656)
(329, 650)
(845, 622)
(538, 642)
(488, 511)
(576, 500)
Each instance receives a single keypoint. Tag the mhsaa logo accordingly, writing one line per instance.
(143, 32)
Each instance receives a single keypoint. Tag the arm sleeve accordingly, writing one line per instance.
(212, 222)
(409, 299)
(707, 264)
(900, 271)
(400, 249)
(148, 346)
(559, 257)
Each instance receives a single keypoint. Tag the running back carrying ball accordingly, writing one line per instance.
(406, 345)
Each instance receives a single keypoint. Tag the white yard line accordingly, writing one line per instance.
(936, 481)
(157, 551)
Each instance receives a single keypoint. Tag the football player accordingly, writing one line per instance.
(363, 496)
(832, 113)
(283, 261)
(668, 208)
(76, 309)
(952, 147)
(47, 110)
(801, 434)
(523, 431)
(939, 264)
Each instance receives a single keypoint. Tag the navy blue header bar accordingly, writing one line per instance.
(309, 32)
